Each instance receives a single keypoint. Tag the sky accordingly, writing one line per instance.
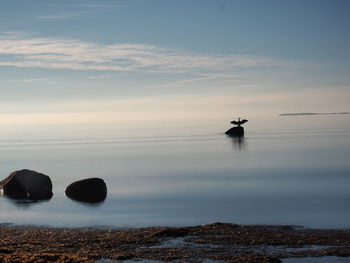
(142, 60)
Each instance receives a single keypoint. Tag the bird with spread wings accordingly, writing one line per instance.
(239, 122)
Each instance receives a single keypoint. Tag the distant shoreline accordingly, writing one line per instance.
(313, 113)
(218, 241)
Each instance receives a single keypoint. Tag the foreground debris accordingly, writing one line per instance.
(219, 242)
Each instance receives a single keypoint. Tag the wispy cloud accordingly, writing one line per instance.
(95, 4)
(33, 80)
(24, 80)
(64, 15)
(81, 10)
(107, 4)
(103, 76)
(55, 53)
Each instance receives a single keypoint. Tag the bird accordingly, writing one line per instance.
(239, 122)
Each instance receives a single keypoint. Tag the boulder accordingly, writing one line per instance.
(236, 131)
(27, 184)
(90, 190)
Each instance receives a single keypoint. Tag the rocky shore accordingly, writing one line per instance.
(218, 242)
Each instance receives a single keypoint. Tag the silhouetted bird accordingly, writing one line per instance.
(239, 122)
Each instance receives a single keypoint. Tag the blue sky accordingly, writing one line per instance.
(191, 59)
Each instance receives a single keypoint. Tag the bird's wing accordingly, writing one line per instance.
(234, 122)
(244, 121)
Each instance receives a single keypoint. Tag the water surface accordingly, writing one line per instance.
(287, 170)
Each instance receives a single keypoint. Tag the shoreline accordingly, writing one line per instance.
(218, 242)
(131, 227)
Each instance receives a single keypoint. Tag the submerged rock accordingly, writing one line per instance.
(236, 131)
(27, 184)
(90, 190)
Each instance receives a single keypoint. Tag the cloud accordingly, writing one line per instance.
(19, 50)
(24, 80)
(81, 10)
(65, 15)
(103, 76)
(33, 80)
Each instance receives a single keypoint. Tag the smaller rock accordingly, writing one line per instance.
(90, 190)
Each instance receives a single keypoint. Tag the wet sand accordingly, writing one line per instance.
(218, 242)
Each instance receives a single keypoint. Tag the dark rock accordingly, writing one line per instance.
(27, 184)
(236, 131)
(172, 232)
(123, 256)
(6, 251)
(91, 190)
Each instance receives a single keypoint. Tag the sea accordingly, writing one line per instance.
(289, 170)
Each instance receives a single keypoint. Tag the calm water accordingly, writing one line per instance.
(287, 170)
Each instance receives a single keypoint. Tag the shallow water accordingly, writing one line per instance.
(287, 170)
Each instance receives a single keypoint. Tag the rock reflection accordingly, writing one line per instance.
(23, 203)
(237, 142)
(87, 203)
